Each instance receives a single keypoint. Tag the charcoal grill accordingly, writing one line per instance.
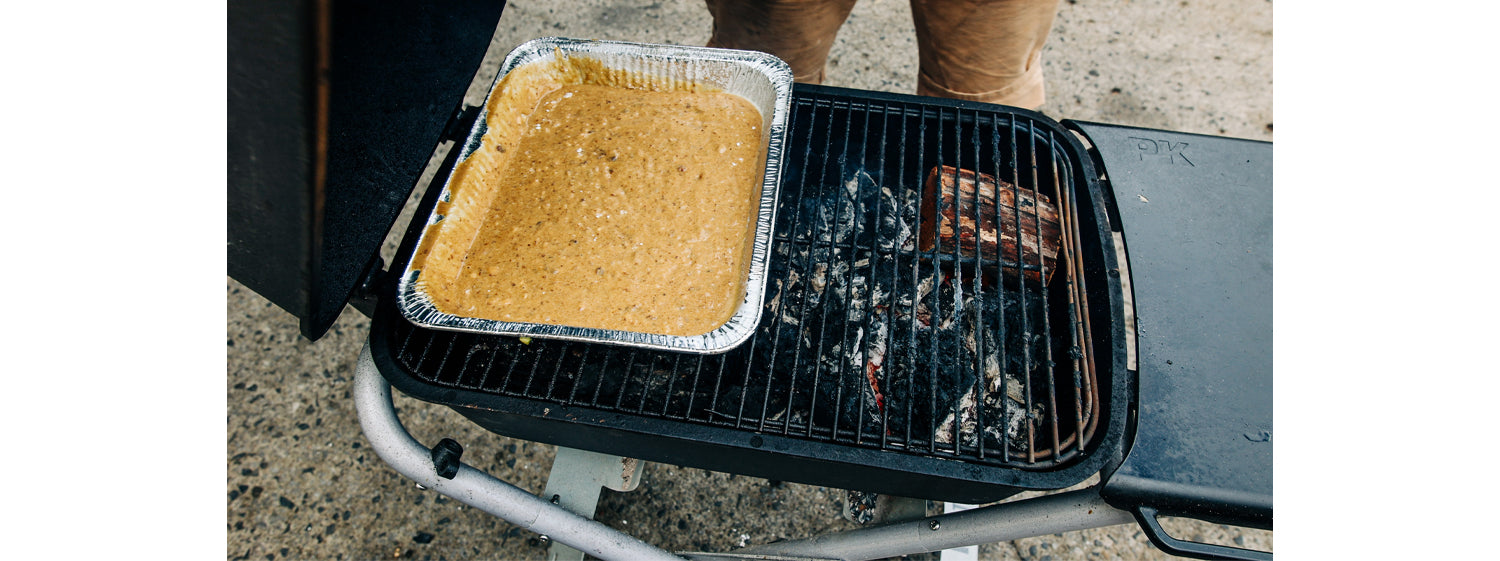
(878, 365)
(846, 292)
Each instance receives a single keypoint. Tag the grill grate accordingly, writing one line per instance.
(865, 340)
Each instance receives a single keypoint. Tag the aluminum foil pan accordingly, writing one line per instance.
(762, 79)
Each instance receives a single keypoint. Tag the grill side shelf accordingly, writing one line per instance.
(877, 365)
(1195, 213)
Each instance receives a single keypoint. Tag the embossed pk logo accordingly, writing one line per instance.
(1163, 149)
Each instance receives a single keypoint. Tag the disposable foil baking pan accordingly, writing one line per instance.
(762, 79)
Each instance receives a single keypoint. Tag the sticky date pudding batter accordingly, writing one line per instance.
(620, 209)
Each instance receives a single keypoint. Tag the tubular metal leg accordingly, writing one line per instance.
(1052, 514)
(391, 441)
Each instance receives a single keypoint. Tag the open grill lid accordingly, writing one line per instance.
(395, 73)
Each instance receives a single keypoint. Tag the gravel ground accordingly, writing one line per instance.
(302, 483)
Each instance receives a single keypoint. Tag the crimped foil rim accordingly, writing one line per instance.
(417, 306)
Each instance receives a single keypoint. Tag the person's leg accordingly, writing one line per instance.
(799, 32)
(983, 50)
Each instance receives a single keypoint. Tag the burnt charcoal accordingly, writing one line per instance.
(839, 214)
(838, 353)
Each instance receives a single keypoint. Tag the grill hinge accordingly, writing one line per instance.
(368, 289)
(459, 124)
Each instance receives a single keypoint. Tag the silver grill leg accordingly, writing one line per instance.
(394, 445)
(1051, 514)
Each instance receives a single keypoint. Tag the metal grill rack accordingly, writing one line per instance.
(866, 342)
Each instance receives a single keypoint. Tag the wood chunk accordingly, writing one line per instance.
(964, 228)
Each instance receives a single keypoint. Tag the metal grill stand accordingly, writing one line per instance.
(575, 482)
(1064, 512)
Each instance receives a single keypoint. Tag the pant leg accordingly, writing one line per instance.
(799, 32)
(983, 50)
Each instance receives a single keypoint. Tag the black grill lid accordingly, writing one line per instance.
(398, 70)
(1196, 216)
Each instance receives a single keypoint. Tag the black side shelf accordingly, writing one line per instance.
(1195, 212)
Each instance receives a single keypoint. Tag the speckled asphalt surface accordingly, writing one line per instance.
(302, 483)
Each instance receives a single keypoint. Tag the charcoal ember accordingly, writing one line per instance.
(966, 412)
(897, 213)
(838, 211)
(970, 356)
(872, 361)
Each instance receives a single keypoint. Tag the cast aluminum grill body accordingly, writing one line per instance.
(876, 365)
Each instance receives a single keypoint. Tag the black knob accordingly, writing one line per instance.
(445, 458)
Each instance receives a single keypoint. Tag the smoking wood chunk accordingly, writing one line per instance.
(963, 227)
